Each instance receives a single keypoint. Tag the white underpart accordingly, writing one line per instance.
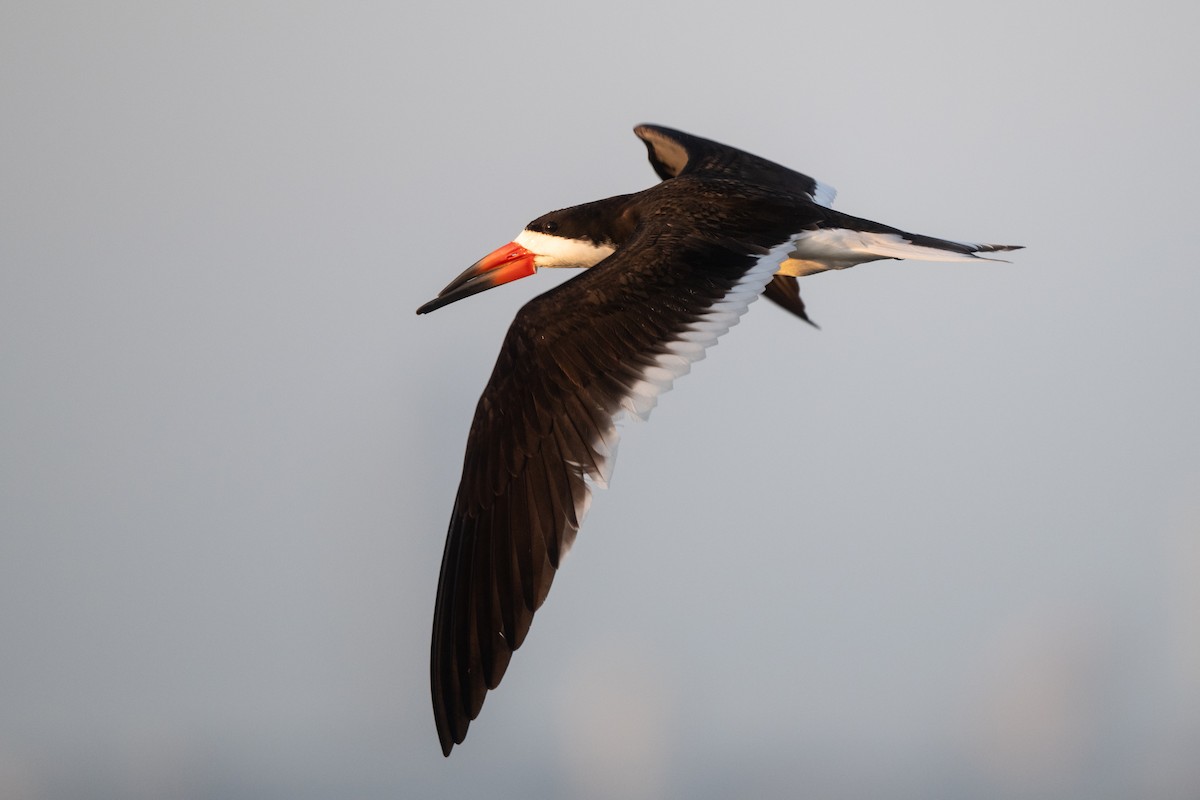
(687, 347)
(839, 248)
(824, 194)
(557, 251)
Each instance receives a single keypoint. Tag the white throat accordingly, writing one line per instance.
(557, 251)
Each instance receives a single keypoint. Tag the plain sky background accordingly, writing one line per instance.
(947, 546)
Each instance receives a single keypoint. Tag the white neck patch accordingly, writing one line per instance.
(558, 251)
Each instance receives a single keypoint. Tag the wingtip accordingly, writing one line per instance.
(446, 737)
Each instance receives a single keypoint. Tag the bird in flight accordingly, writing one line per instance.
(668, 270)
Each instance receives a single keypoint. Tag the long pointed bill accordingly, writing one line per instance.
(502, 265)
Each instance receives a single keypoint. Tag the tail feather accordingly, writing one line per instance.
(840, 241)
(914, 245)
(948, 248)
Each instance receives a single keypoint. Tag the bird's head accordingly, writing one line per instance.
(549, 241)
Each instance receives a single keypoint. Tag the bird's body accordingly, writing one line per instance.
(672, 268)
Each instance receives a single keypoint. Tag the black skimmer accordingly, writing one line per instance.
(672, 268)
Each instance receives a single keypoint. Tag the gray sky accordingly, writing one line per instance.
(947, 546)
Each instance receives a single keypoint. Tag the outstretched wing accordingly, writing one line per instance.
(674, 152)
(544, 432)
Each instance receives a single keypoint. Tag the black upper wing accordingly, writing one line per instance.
(673, 153)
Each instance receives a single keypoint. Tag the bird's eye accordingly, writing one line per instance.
(550, 227)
